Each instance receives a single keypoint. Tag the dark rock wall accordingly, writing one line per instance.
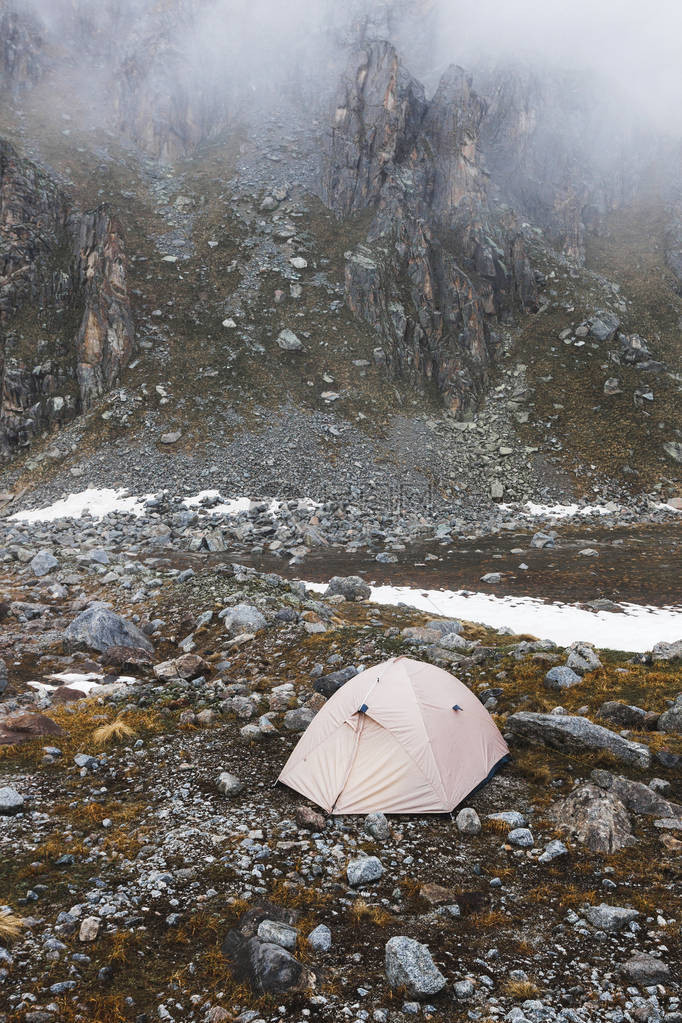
(437, 262)
(66, 329)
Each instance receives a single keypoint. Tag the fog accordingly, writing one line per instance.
(626, 53)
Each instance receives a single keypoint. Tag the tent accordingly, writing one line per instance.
(402, 737)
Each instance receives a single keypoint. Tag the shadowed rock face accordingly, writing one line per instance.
(72, 267)
(437, 263)
(531, 137)
(21, 59)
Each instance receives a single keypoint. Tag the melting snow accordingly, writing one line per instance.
(637, 629)
(97, 502)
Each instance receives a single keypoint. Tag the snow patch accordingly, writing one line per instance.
(637, 629)
(97, 502)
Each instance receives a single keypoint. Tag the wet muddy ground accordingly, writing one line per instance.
(639, 564)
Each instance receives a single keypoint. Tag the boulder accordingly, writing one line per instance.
(43, 563)
(244, 619)
(667, 651)
(561, 677)
(610, 918)
(622, 714)
(352, 587)
(636, 796)
(18, 728)
(595, 817)
(363, 870)
(278, 933)
(576, 735)
(11, 801)
(409, 966)
(98, 628)
(646, 970)
(327, 685)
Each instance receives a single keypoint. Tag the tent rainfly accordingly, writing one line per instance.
(402, 737)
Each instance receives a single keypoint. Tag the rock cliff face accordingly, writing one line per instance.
(438, 265)
(65, 321)
(21, 42)
(169, 96)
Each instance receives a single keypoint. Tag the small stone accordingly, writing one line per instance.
(376, 825)
(229, 784)
(309, 819)
(278, 933)
(521, 837)
(289, 342)
(320, 939)
(90, 928)
(43, 563)
(298, 719)
(468, 821)
(552, 851)
(464, 989)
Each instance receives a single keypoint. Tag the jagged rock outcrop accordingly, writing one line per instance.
(65, 315)
(437, 264)
(377, 117)
(21, 46)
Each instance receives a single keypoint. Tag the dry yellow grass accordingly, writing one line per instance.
(362, 913)
(11, 926)
(521, 989)
(113, 731)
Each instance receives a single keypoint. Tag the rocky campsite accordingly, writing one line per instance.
(341, 364)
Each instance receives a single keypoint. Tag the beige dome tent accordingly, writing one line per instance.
(402, 737)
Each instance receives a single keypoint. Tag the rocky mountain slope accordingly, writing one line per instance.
(473, 235)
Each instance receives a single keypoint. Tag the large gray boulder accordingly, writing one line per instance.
(636, 796)
(667, 651)
(352, 587)
(610, 918)
(582, 658)
(244, 619)
(595, 817)
(409, 965)
(363, 870)
(561, 677)
(576, 735)
(98, 628)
